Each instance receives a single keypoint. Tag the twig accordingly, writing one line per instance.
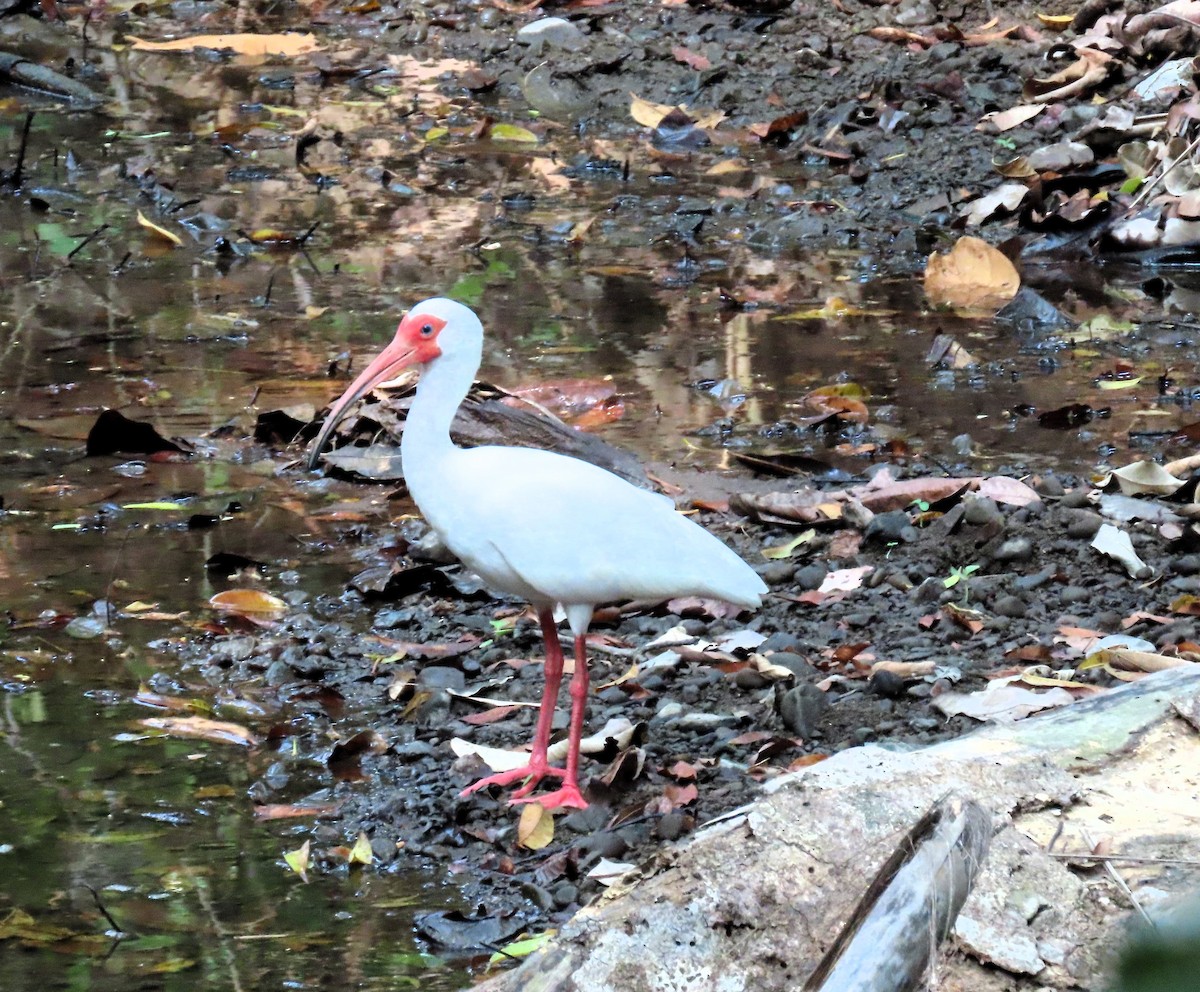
(1123, 858)
(1121, 884)
(1146, 190)
(103, 909)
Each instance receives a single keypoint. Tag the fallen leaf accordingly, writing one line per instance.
(202, 728)
(608, 872)
(845, 579)
(535, 828)
(159, 232)
(789, 548)
(1000, 702)
(512, 133)
(297, 860)
(1146, 477)
(243, 44)
(1116, 544)
(495, 758)
(247, 601)
(972, 275)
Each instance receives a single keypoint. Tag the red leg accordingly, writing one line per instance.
(569, 794)
(537, 768)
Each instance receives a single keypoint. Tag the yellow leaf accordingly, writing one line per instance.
(312, 313)
(247, 601)
(436, 132)
(535, 828)
(243, 44)
(160, 232)
(1119, 383)
(646, 113)
(972, 275)
(297, 860)
(1056, 22)
(361, 852)
(513, 133)
(789, 548)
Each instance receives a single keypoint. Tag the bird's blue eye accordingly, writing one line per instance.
(426, 330)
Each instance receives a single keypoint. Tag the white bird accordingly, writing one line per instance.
(543, 526)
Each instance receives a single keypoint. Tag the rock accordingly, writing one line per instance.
(551, 32)
(1186, 565)
(556, 95)
(794, 663)
(801, 709)
(1009, 606)
(979, 511)
(749, 679)
(1014, 549)
(892, 526)
(1083, 524)
(441, 677)
(809, 577)
(886, 684)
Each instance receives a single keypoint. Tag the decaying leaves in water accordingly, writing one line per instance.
(297, 860)
(159, 232)
(535, 827)
(359, 854)
(344, 759)
(248, 602)
(972, 275)
(243, 44)
(202, 728)
(288, 811)
(114, 433)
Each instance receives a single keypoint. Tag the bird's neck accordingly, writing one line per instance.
(426, 440)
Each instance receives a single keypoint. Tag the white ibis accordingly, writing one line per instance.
(546, 527)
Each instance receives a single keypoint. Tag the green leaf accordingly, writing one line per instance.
(514, 133)
(521, 948)
(162, 505)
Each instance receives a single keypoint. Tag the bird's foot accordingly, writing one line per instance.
(531, 773)
(568, 795)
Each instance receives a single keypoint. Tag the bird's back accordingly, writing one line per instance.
(556, 529)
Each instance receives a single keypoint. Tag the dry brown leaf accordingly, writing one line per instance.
(972, 275)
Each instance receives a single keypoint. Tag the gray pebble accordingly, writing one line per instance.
(1083, 524)
(1009, 606)
(801, 709)
(1014, 549)
(749, 679)
(892, 526)
(794, 663)
(979, 510)
(810, 576)
(441, 677)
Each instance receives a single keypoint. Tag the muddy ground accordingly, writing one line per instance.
(889, 132)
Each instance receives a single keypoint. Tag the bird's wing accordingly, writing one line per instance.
(574, 533)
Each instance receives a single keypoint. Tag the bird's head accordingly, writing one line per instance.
(424, 334)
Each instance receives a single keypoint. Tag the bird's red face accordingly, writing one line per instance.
(418, 335)
(415, 343)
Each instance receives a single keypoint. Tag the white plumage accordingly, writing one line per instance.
(546, 527)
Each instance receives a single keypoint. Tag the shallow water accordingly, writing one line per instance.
(593, 275)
